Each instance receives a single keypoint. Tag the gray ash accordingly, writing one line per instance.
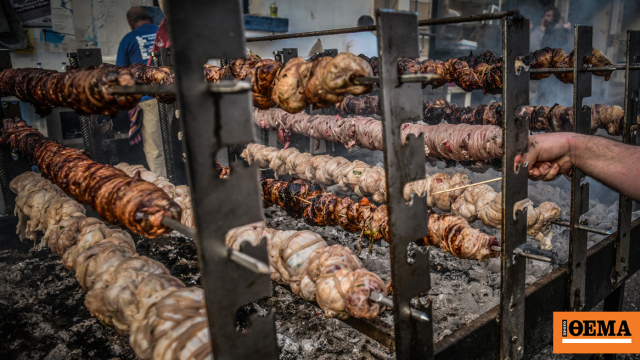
(43, 314)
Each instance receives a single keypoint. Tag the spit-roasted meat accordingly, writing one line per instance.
(119, 199)
(331, 275)
(138, 296)
(541, 118)
(86, 91)
(132, 293)
(484, 72)
(451, 142)
(560, 118)
(303, 199)
(299, 83)
(557, 58)
(472, 203)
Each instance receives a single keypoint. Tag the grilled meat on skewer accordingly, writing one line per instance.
(302, 199)
(541, 118)
(86, 91)
(119, 199)
(451, 142)
(472, 203)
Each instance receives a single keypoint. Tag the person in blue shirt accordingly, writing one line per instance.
(134, 48)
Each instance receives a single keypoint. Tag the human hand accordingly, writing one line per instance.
(549, 155)
(567, 25)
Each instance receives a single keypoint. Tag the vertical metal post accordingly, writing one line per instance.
(402, 103)
(163, 118)
(85, 58)
(515, 132)
(5, 151)
(202, 30)
(579, 192)
(631, 87)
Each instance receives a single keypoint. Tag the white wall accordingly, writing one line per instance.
(100, 23)
(311, 15)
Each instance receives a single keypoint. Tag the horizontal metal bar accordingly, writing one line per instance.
(143, 90)
(250, 263)
(179, 227)
(234, 255)
(229, 87)
(581, 227)
(524, 254)
(383, 300)
(479, 339)
(428, 22)
(411, 78)
(586, 69)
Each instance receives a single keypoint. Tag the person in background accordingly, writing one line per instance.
(365, 43)
(535, 40)
(136, 48)
(557, 33)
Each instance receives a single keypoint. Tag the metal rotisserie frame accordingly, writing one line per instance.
(520, 326)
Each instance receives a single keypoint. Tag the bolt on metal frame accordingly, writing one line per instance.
(211, 121)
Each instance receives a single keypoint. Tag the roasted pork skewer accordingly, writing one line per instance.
(554, 118)
(484, 72)
(303, 199)
(465, 143)
(365, 180)
(165, 320)
(119, 199)
(86, 91)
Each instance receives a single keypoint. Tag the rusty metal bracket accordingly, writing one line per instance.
(515, 132)
(631, 89)
(579, 192)
(211, 122)
(401, 103)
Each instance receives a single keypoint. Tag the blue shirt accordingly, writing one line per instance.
(135, 47)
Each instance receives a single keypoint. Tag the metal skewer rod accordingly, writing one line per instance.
(427, 22)
(236, 256)
(381, 299)
(230, 86)
(581, 227)
(586, 69)
(466, 186)
(363, 80)
(524, 254)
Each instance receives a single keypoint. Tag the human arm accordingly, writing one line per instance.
(614, 164)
